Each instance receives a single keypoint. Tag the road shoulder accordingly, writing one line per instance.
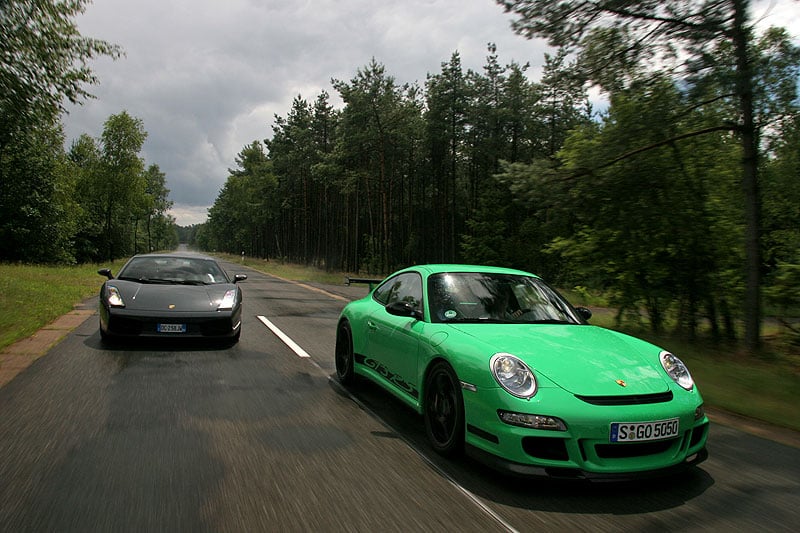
(20, 355)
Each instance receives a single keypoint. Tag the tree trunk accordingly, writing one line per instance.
(752, 207)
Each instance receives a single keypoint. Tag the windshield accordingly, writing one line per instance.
(496, 298)
(174, 270)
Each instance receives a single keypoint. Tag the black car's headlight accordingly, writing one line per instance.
(513, 375)
(227, 301)
(113, 297)
(676, 370)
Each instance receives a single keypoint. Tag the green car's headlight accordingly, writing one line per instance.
(676, 370)
(114, 298)
(513, 375)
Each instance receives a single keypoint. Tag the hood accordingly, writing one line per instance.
(584, 360)
(159, 297)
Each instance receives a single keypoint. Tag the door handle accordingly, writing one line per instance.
(372, 325)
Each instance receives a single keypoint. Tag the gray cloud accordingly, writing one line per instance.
(207, 77)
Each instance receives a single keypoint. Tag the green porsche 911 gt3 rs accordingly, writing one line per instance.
(496, 360)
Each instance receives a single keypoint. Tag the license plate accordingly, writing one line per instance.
(644, 431)
(171, 328)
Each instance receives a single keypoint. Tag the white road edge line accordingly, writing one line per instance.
(284, 337)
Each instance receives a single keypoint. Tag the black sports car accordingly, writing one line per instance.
(171, 295)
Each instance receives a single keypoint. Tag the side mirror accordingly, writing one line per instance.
(404, 309)
(584, 312)
(239, 277)
(106, 272)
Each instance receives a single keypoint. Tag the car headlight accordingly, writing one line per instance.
(513, 375)
(676, 370)
(526, 420)
(228, 300)
(114, 298)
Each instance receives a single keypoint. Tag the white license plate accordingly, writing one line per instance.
(644, 431)
(171, 328)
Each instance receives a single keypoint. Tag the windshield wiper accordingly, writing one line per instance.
(156, 280)
(144, 280)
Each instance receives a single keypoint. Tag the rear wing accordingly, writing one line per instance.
(371, 282)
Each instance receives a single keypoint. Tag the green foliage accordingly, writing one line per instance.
(236, 222)
(709, 48)
(37, 207)
(124, 205)
(159, 226)
(58, 207)
(401, 175)
(643, 223)
(43, 61)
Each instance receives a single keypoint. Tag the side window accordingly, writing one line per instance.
(403, 288)
(381, 294)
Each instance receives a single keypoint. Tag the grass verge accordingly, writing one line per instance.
(32, 296)
(289, 270)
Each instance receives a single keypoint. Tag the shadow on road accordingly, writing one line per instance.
(546, 495)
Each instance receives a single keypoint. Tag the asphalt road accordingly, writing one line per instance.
(257, 438)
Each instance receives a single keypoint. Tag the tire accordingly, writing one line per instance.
(105, 338)
(345, 371)
(232, 341)
(444, 410)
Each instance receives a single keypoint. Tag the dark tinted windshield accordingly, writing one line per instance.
(185, 270)
(496, 298)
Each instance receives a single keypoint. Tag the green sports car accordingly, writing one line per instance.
(501, 366)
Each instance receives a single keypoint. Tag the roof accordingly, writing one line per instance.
(444, 267)
(178, 255)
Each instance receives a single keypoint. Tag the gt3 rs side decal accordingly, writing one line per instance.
(387, 374)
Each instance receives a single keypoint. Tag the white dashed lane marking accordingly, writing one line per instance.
(284, 337)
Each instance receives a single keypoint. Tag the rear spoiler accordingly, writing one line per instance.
(371, 282)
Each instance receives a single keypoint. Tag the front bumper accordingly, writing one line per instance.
(568, 473)
(584, 450)
(126, 323)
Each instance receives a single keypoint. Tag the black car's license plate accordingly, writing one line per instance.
(644, 431)
(171, 328)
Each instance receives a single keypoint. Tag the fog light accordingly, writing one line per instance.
(700, 412)
(532, 421)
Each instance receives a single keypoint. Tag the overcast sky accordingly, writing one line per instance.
(207, 76)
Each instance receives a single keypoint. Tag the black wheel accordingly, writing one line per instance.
(105, 338)
(344, 354)
(233, 341)
(444, 410)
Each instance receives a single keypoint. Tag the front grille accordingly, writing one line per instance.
(697, 435)
(148, 326)
(546, 448)
(630, 399)
(213, 328)
(639, 449)
(124, 326)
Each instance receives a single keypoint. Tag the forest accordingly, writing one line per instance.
(675, 195)
(680, 198)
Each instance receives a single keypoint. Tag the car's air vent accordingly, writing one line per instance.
(639, 449)
(630, 399)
